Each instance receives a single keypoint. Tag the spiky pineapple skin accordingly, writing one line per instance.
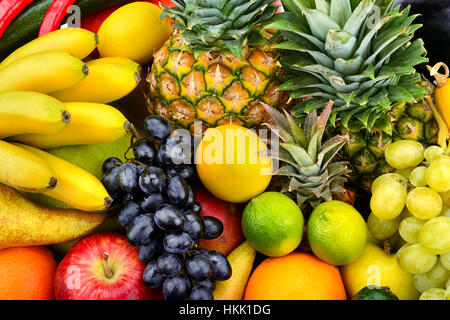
(215, 87)
(366, 150)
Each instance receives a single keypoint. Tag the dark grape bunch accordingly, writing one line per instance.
(161, 215)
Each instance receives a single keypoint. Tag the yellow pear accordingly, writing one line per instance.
(241, 260)
(24, 223)
(376, 267)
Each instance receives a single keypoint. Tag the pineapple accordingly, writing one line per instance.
(217, 67)
(311, 174)
(341, 50)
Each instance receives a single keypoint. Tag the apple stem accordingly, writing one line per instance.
(108, 273)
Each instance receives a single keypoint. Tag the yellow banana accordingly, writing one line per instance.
(25, 112)
(91, 123)
(109, 80)
(76, 187)
(24, 170)
(75, 41)
(43, 72)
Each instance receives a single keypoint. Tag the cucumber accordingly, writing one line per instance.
(375, 293)
(26, 26)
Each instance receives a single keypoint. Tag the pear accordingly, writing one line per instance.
(241, 260)
(24, 223)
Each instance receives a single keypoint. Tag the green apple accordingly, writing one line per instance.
(376, 267)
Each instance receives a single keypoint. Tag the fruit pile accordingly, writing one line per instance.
(417, 210)
(161, 215)
(222, 150)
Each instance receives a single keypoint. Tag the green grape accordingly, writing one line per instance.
(445, 212)
(439, 273)
(447, 284)
(445, 198)
(382, 229)
(422, 283)
(445, 260)
(388, 200)
(433, 152)
(388, 177)
(414, 259)
(424, 203)
(435, 235)
(417, 177)
(409, 229)
(447, 293)
(438, 174)
(405, 173)
(433, 294)
(435, 278)
(404, 154)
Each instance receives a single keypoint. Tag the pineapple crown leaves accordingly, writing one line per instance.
(313, 176)
(357, 53)
(220, 24)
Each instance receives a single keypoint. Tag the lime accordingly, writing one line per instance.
(273, 224)
(336, 232)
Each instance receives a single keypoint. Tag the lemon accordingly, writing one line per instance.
(336, 232)
(230, 163)
(273, 224)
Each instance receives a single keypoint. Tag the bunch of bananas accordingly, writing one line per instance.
(50, 97)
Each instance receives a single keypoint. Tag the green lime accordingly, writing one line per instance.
(336, 232)
(375, 293)
(273, 224)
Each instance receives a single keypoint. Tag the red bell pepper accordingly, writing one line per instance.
(93, 21)
(9, 9)
(54, 16)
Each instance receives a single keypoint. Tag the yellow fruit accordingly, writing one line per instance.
(241, 260)
(337, 233)
(388, 200)
(91, 123)
(23, 170)
(230, 163)
(442, 92)
(76, 187)
(23, 112)
(25, 223)
(133, 31)
(438, 174)
(375, 267)
(75, 41)
(108, 80)
(43, 72)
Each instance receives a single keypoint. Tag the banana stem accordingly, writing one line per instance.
(443, 129)
(441, 79)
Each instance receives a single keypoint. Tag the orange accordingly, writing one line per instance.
(27, 273)
(297, 276)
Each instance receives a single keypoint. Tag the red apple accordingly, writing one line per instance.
(229, 214)
(102, 266)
